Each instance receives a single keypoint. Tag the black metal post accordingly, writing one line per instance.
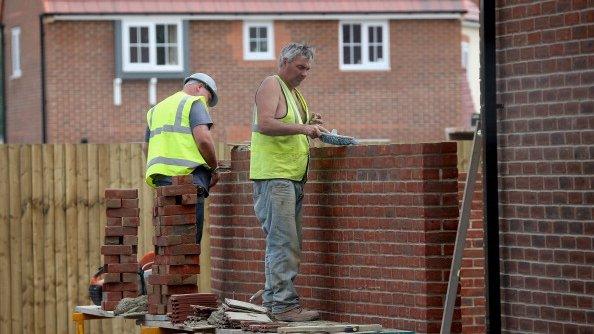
(491, 198)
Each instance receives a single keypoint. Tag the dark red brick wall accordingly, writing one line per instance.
(545, 57)
(23, 94)
(379, 227)
(472, 273)
(413, 102)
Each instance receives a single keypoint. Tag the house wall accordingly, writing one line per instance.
(379, 224)
(23, 94)
(414, 101)
(545, 62)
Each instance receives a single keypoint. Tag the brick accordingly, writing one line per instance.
(180, 269)
(173, 279)
(117, 250)
(130, 294)
(177, 259)
(188, 199)
(112, 296)
(130, 277)
(123, 212)
(175, 229)
(116, 287)
(167, 200)
(111, 259)
(130, 221)
(121, 193)
(176, 210)
(176, 220)
(157, 309)
(113, 240)
(129, 258)
(112, 278)
(130, 203)
(109, 305)
(182, 249)
(179, 289)
(185, 179)
(113, 231)
(114, 222)
(176, 190)
(130, 240)
(113, 203)
(170, 240)
(122, 267)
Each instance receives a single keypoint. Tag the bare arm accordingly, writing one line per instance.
(205, 144)
(267, 100)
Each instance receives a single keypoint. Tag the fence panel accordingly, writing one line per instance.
(52, 220)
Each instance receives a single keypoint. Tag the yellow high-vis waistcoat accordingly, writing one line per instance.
(172, 150)
(281, 157)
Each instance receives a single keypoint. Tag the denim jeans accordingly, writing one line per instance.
(166, 181)
(277, 204)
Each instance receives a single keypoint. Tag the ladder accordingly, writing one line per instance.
(475, 157)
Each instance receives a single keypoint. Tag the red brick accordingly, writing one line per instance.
(130, 294)
(111, 259)
(171, 240)
(183, 249)
(121, 193)
(115, 287)
(122, 212)
(185, 179)
(166, 200)
(122, 267)
(113, 231)
(180, 269)
(130, 240)
(129, 258)
(130, 221)
(173, 279)
(175, 229)
(191, 199)
(176, 210)
(117, 250)
(176, 190)
(177, 259)
(109, 305)
(112, 296)
(112, 278)
(130, 203)
(114, 221)
(113, 203)
(130, 277)
(113, 240)
(175, 220)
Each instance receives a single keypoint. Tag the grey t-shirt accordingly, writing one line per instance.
(198, 116)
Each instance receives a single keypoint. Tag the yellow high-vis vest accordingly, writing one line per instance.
(281, 157)
(172, 150)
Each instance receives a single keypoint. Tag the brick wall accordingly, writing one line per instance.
(472, 273)
(23, 94)
(379, 227)
(414, 101)
(545, 62)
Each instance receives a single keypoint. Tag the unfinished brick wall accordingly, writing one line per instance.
(379, 228)
(545, 62)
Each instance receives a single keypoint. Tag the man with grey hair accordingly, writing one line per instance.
(281, 126)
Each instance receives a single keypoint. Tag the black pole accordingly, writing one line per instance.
(42, 61)
(491, 200)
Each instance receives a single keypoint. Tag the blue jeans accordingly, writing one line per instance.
(277, 204)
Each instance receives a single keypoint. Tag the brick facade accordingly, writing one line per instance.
(378, 228)
(545, 62)
(23, 94)
(413, 101)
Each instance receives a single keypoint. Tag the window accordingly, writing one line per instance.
(258, 41)
(364, 46)
(152, 47)
(15, 51)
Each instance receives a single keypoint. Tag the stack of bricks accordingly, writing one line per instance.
(121, 244)
(176, 252)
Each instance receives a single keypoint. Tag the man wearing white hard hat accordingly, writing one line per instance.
(179, 139)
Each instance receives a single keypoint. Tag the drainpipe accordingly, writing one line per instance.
(42, 62)
(491, 200)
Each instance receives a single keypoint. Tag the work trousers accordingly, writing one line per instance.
(277, 204)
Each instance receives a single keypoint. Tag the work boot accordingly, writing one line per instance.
(297, 314)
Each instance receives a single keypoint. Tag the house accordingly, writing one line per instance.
(88, 70)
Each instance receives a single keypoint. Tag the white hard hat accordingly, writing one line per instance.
(210, 85)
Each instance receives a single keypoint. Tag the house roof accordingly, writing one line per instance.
(251, 6)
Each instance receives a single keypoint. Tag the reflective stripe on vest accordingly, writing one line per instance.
(172, 150)
(280, 157)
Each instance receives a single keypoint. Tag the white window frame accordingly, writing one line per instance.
(464, 54)
(366, 65)
(15, 52)
(247, 54)
(152, 64)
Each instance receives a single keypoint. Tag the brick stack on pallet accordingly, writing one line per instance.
(176, 253)
(181, 305)
(121, 245)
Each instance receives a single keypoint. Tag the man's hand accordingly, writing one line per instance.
(214, 179)
(314, 131)
(316, 119)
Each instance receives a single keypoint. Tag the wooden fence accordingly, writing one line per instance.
(52, 218)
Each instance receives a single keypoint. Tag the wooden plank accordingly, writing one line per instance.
(93, 219)
(71, 230)
(82, 228)
(49, 259)
(61, 248)
(5, 292)
(38, 239)
(26, 241)
(15, 238)
(103, 162)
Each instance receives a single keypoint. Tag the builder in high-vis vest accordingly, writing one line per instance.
(281, 126)
(179, 140)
